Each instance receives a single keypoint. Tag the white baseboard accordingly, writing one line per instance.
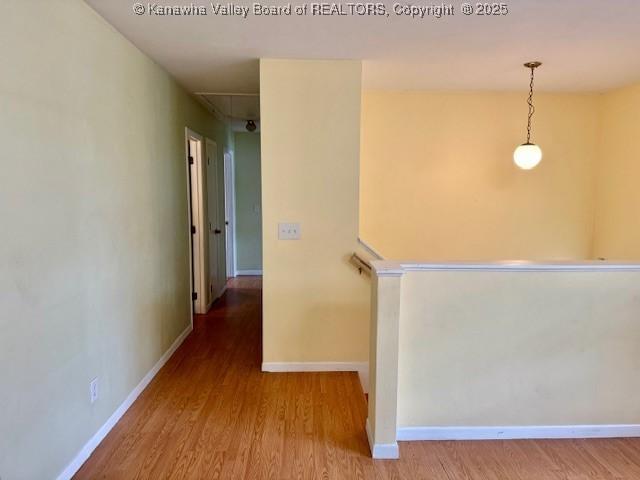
(512, 433)
(361, 367)
(241, 273)
(94, 441)
(381, 451)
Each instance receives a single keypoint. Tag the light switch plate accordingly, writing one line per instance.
(288, 231)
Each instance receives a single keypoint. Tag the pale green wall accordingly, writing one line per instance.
(94, 275)
(248, 201)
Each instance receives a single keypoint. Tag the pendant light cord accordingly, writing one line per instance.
(532, 109)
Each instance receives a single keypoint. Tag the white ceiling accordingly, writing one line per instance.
(586, 45)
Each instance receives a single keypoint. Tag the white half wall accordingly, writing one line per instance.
(501, 348)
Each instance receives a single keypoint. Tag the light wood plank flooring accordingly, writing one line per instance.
(211, 413)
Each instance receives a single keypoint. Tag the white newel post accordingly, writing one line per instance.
(383, 360)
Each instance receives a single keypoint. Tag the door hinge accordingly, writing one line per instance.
(190, 160)
(193, 229)
(194, 296)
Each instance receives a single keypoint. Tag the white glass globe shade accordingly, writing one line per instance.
(527, 156)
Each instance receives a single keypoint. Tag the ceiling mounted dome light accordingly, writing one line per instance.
(528, 155)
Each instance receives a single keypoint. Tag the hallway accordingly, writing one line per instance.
(211, 413)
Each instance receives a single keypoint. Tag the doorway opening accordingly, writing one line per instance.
(248, 201)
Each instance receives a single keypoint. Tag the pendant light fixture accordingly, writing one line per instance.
(528, 155)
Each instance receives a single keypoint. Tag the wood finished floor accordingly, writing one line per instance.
(211, 413)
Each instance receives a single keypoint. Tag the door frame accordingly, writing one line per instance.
(196, 211)
(188, 192)
(230, 214)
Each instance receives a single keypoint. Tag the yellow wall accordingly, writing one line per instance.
(438, 180)
(316, 306)
(94, 274)
(617, 232)
(518, 348)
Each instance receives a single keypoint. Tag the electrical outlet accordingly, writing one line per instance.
(288, 231)
(93, 390)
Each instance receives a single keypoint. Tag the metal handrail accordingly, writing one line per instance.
(361, 264)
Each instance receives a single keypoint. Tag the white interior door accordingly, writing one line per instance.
(229, 213)
(215, 199)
